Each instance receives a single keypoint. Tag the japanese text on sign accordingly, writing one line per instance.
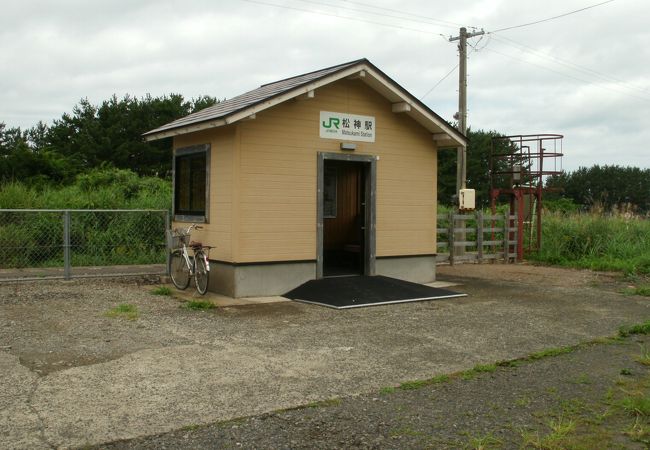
(347, 127)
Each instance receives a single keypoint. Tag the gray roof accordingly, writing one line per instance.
(257, 99)
(243, 101)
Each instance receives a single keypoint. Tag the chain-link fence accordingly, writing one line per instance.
(36, 244)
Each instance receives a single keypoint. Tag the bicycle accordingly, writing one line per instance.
(182, 266)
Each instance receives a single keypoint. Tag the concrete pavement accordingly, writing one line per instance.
(243, 360)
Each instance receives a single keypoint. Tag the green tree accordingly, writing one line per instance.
(606, 186)
(112, 132)
(92, 136)
(23, 158)
(479, 147)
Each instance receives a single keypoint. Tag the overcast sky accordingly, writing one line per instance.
(585, 75)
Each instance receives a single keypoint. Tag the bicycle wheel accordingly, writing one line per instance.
(201, 273)
(178, 270)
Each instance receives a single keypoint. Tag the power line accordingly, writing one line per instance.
(454, 24)
(294, 8)
(427, 22)
(570, 65)
(551, 18)
(440, 81)
(581, 80)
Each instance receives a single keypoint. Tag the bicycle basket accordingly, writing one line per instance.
(177, 237)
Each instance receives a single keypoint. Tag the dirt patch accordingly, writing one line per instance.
(529, 274)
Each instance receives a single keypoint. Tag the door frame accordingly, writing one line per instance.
(370, 188)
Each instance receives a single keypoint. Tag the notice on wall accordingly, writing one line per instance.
(347, 127)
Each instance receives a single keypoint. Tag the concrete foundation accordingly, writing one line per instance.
(268, 279)
(417, 269)
(253, 280)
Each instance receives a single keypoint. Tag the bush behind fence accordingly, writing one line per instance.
(52, 238)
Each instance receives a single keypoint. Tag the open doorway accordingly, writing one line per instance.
(344, 221)
(346, 215)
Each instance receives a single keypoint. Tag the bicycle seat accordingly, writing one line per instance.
(194, 244)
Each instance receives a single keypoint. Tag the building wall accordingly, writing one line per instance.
(218, 231)
(277, 177)
(263, 179)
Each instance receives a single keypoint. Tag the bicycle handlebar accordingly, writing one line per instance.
(194, 226)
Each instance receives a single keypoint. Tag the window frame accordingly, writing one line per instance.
(188, 151)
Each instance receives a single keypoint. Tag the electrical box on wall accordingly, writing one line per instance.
(466, 200)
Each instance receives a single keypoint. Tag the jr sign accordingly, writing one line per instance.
(347, 127)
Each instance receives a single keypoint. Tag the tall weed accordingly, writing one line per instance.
(596, 242)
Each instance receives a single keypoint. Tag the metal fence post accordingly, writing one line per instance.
(479, 235)
(506, 237)
(66, 245)
(167, 252)
(450, 236)
(515, 239)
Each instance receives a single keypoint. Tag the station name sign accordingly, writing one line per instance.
(349, 127)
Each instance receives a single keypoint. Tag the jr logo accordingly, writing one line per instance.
(332, 121)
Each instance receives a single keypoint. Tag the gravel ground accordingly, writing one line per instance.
(75, 375)
(510, 407)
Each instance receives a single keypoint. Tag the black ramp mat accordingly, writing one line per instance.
(356, 291)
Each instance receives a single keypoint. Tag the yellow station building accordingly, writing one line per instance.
(329, 173)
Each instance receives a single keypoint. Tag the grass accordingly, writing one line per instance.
(550, 352)
(559, 436)
(561, 427)
(324, 403)
(523, 401)
(124, 311)
(643, 290)
(480, 368)
(387, 390)
(200, 305)
(596, 242)
(636, 405)
(624, 410)
(644, 358)
(583, 378)
(485, 442)
(417, 384)
(161, 290)
(640, 328)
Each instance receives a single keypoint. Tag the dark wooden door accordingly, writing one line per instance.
(344, 219)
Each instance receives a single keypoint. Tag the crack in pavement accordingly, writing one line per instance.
(32, 408)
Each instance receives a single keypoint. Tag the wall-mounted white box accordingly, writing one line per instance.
(467, 199)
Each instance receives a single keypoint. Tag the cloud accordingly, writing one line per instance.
(584, 75)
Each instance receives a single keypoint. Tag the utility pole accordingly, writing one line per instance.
(461, 159)
(461, 152)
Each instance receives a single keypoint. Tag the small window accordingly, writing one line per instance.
(191, 183)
